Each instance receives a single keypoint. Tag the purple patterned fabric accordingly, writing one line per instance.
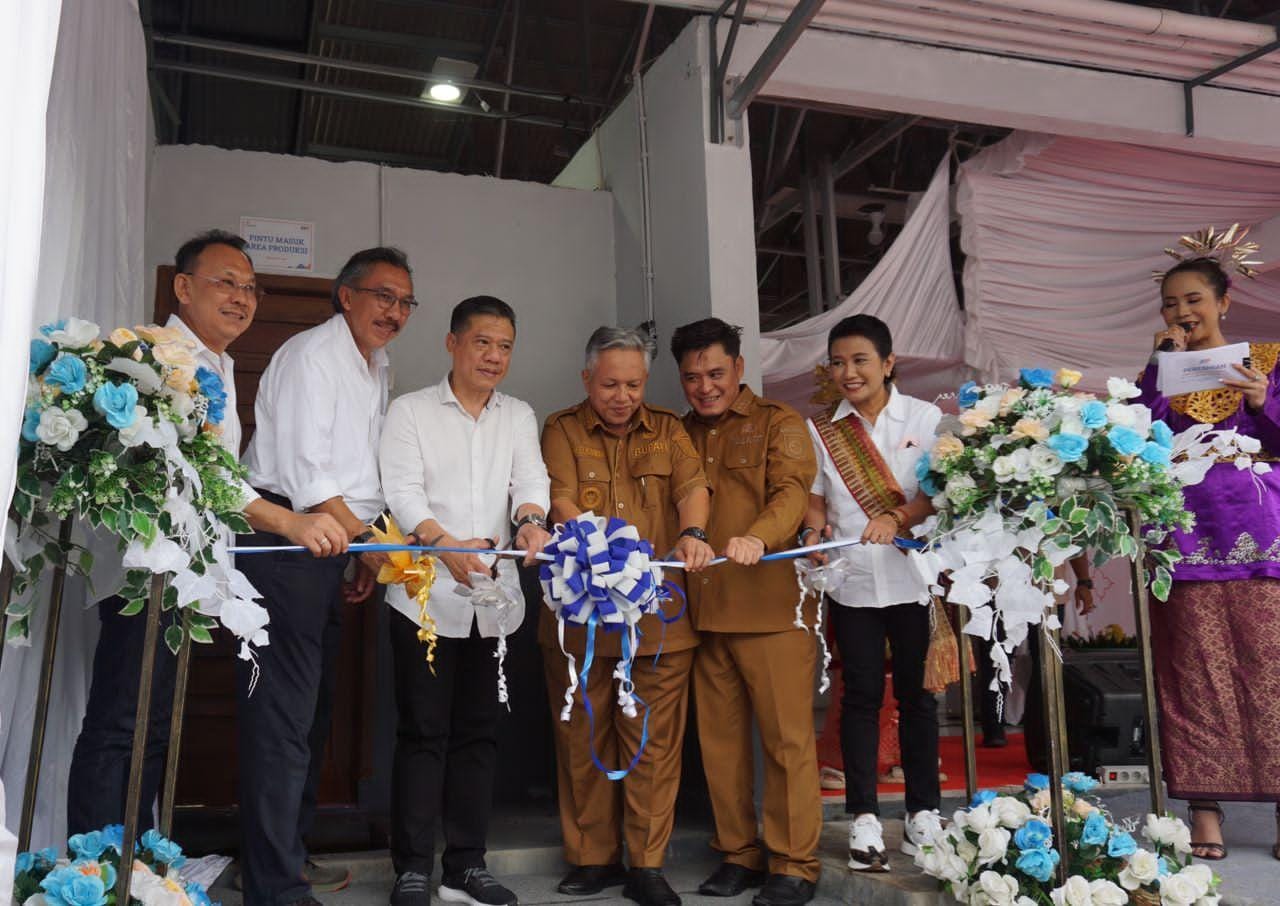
(1237, 532)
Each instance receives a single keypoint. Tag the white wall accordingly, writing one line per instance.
(547, 251)
(702, 218)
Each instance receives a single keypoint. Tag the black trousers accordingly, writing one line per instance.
(284, 724)
(446, 749)
(98, 783)
(860, 634)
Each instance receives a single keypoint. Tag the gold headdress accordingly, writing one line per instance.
(1227, 247)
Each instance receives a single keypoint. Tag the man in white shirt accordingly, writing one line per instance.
(217, 297)
(319, 415)
(463, 463)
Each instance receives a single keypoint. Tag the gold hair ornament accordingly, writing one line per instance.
(1226, 247)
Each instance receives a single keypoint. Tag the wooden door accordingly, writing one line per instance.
(208, 777)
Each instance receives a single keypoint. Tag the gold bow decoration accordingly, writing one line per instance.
(417, 573)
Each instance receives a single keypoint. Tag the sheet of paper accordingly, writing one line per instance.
(1204, 369)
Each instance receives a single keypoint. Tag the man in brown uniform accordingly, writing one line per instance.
(752, 660)
(615, 456)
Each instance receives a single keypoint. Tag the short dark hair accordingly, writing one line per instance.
(704, 334)
(190, 251)
(359, 264)
(467, 309)
(1209, 268)
(870, 328)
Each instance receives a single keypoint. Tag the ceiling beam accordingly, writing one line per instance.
(469, 50)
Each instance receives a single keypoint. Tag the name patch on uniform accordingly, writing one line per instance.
(653, 446)
(588, 451)
(793, 443)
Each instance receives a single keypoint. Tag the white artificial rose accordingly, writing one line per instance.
(1105, 893)
(966, 851)
(181, 404)
(1178, 890)
(932, 860)
(979, 818)
(1168, 831)
(1201, 875)
(958, 488)
(1004, 468)
(999, 889)
(1024, 901)
(1211, 899)
(990, 405)
(1142, 868)
(1120, 389)
(1121, 414)
(1071, 424)
(137, 431)
(993, 843)
(1045, 462)
(1074, 893)
(75, 334)
(61, 427)
(1010, 812)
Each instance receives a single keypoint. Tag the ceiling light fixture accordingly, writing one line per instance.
(446, 92)
(876, 234)
(442, 83)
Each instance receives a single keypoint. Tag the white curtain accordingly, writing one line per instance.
(90, 258)
(1061, 235)
(911, 289)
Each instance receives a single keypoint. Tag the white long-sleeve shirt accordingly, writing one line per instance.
(471, 475)
(879, 574)
(319, 415)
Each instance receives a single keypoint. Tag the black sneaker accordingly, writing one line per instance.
(476, 887)
(413, 888)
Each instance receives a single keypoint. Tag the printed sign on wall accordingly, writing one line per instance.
(279, 245)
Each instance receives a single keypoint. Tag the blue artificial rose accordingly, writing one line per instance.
(54, 326)
(87, 846)
(25, 862)
(1093, 414)
(31, 421)
(164, 849)
(1036, 782)
(116, 402)
(48, 855)
(67, 373)
(1155, 454)
(1126, 441)
(1078, 782)
(1094, 832)
(1038, 863)
(1069, 447)
(197, 895)
(42, 353)
(113, 835)
(1035, 834)
(1162, 434)
(82, 890)
(1034, 378)
(1164, 868)
(969, 395)
(922, 467)
(1121, 845)
(213, 389)
(104, 870)
(982, 798)
(930, 489)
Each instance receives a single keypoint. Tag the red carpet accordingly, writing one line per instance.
(996, 767)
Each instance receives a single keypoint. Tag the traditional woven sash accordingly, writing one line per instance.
(861, 467)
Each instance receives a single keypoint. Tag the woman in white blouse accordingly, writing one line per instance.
(867, 446)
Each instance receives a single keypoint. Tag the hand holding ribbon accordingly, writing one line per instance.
(417, 573)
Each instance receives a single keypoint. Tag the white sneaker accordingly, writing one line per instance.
(920, 829)
(866, 844)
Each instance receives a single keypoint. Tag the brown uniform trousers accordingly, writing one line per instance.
(753, 662)
(639, 477)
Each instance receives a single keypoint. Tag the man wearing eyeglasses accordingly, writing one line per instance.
(319, 416)
(217, 298)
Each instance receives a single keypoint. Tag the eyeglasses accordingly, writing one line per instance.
(388, 300)
(229, 287)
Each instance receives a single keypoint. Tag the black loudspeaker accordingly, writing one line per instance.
(1105, 721)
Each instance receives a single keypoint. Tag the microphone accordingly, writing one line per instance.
(1167, 345)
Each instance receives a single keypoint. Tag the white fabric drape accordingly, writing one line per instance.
(27, 46)
(911, 289)
(1061, 235)
(90, 264)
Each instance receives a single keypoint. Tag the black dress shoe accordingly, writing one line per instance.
(649, 887)
(587, 880)
(784, 890)
(994, 739)
(729, 880)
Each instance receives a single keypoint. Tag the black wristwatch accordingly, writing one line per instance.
(363, 538)
(694, 532)
(1084, 583)
(532, 519)
(805, 532)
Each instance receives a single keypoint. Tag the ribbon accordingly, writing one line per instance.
(416, 573)
(486, 591)
(815, 580)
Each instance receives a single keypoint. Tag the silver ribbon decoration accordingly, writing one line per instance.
(486, 591)
(815, 580)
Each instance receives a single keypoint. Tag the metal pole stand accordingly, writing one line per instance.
(966, 703)
(41, 717)
(140, 719)
(1053, 709)
(168, 800)
(1142, 623)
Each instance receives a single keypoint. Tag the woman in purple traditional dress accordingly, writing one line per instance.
(1217, 639)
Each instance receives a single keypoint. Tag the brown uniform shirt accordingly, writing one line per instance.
(761, 464)
(639, 477)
